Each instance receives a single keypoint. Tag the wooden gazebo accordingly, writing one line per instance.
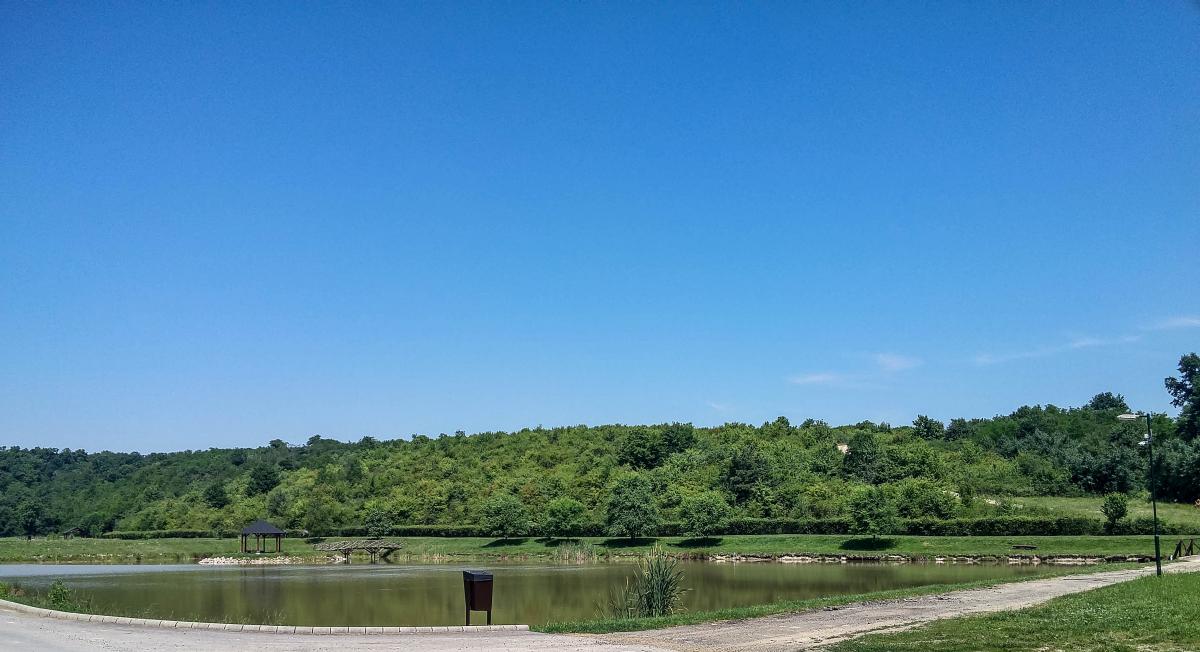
(261, 530)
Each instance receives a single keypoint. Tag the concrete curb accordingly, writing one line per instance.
(264, 629)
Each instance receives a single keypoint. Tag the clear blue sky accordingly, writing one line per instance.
(223, 224)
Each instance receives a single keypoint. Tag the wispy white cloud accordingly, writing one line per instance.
(720, 407)
(1075, 344)
(886, 364)
(892, 362)
(817, 379)
(1174, 323)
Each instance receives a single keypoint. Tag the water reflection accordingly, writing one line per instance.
(432, 594)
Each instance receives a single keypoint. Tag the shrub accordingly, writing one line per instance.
(921, 498)
(1115, 507)
(58, 596)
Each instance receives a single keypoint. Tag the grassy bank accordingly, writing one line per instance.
(430, 548)
(1089, 506)
(1151, 613)
(609, 625)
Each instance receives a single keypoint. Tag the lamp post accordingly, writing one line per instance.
(1148, 442)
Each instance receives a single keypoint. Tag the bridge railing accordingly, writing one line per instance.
(1185, 548)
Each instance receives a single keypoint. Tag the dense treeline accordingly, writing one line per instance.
(622, 480)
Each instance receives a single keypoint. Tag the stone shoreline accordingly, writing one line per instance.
(736, 558)
(267, 561)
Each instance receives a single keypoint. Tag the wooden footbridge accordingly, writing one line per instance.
(376, 548)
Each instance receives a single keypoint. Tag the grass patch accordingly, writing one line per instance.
(609, 625)
(57, 596)
(1174, 513)
(1151, 614)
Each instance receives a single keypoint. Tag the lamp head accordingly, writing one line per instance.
(1129, 416)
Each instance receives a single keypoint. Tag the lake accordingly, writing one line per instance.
(432, 594)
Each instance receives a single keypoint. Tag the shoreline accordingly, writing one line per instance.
(716, 558)
(725, 549)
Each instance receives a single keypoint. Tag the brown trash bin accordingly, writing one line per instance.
(477, 590)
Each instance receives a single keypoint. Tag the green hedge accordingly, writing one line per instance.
(989, 526)
(1032, 526)
(186, 534)
(161, 534)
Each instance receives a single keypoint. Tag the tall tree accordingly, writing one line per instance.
(1185, 395)
(642, 448)
(504, 515)
(871, 512)
(263, 478)
(1108, 401)
(632, 509)
(928, 428)
(215, 496)
(862, 457)
(564, 516)
(748, 468)
(704, 515)
(30, 516)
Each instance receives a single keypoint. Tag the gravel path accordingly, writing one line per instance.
(19, 631)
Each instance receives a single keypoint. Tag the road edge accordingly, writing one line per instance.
(266, 629)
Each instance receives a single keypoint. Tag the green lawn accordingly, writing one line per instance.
(605, 626)
(431, 548)
(1175, 513)
(1151, 614)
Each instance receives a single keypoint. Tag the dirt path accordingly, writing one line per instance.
(824, 627)
(20, 631)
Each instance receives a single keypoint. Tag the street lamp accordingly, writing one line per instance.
(1148, 442)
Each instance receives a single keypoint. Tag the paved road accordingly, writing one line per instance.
(20, 631)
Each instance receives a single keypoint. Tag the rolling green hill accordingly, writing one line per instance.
(777, 470)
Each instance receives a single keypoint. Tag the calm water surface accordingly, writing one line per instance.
(432, 594)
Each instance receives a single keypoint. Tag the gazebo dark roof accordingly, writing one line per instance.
(261, 527)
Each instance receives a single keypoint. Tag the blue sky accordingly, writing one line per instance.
(223, 224)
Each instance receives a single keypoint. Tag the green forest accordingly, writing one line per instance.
(622, 480)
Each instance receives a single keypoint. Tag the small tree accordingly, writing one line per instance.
(564, 516)
(377, 523)
(263, 478)
(966, 491)
(30, 517)
(872, 512)
(1115, 508)
(215, 496)
(704, 514)
(504, 515)
(277, 503)
(632, 511)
